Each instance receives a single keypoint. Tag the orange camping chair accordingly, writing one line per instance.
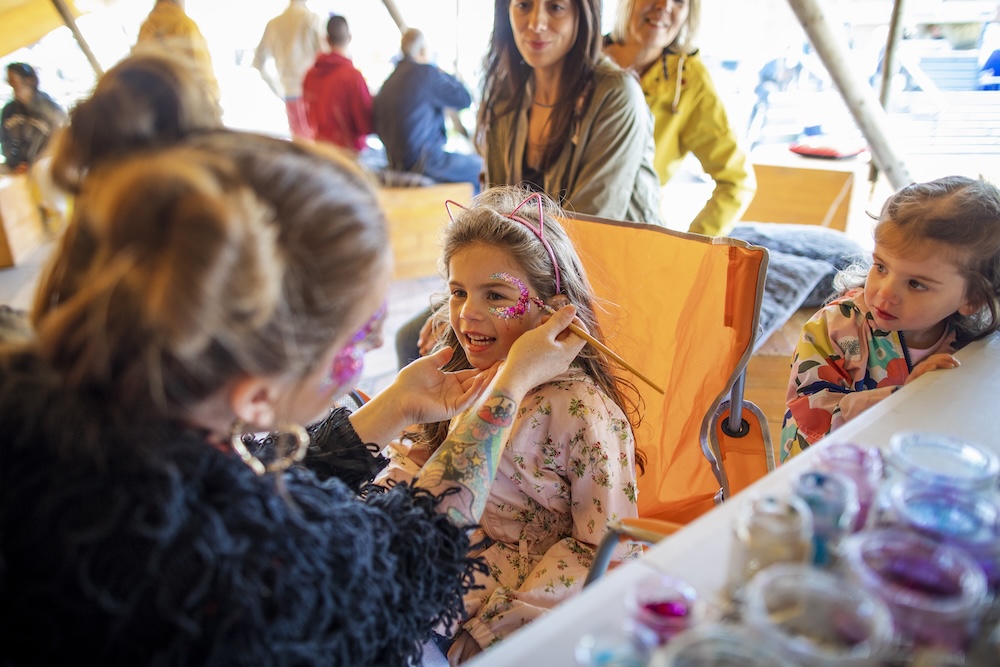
(683, 309)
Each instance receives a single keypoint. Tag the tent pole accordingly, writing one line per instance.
(888, 69)
(859, 97)
(67, 17)
(397, 16)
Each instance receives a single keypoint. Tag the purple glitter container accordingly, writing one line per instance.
(861, 464)
(936, 592)
(965, 520)
(664, 605)
(942, 460)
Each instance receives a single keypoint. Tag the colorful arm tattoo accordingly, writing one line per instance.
(468, 459)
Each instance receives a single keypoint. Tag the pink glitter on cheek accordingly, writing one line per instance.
(346, 368)
(350, 361)
(523, 301)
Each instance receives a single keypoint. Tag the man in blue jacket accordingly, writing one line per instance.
(409, 117)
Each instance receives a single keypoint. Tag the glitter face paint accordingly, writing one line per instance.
(523, 304)
(350, 361)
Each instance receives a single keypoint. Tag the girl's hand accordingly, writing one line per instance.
(462, 648)
(932, 363)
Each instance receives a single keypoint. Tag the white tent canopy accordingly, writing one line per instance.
(24, 22)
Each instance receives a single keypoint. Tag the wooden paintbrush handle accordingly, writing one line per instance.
(611, 355)
(600, 346)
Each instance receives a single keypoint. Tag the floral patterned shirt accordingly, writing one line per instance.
(843, 365)
(568, 467)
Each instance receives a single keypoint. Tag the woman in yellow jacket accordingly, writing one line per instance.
(654, 39)
(168, 27)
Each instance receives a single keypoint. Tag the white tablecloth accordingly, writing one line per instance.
(964, 402)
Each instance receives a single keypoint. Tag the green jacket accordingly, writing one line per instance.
(696, 122)
(607, 170)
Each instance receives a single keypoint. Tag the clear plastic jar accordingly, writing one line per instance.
(935, 592)
(620, 647)
(718, 645)
(818, 619)
(768, 530)
(664, 605)
(861, 464)
(940, 460)
(833, 499)
(970, 521)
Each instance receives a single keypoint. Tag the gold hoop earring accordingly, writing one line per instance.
(301, 446)
(236, 433)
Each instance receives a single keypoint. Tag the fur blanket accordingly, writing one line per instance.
(803, 261)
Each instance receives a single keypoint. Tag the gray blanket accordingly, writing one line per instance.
(803, 261)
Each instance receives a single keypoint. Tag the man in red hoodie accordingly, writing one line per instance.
(338, 104)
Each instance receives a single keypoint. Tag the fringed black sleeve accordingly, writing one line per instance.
(335, 450)
(189, 558)
(167, 551)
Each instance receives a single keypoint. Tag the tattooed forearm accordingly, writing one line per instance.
(498, 411)
(468, 459)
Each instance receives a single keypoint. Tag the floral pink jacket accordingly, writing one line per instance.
(568, 467)
(842, 365)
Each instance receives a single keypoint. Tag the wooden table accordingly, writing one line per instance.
(21, 226)
(964, 402)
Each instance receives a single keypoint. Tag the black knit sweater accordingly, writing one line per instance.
(163, 550)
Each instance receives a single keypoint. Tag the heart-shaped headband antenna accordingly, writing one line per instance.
(448, 203)
(537, 231)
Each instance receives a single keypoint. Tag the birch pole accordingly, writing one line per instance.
(67, 17)
(861, 100)
(397, 16)
(888, 68)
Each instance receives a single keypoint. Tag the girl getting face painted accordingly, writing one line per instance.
(489, 306)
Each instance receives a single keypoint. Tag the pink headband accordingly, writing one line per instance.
(537, 231)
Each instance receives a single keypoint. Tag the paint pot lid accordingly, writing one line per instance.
(942, 460)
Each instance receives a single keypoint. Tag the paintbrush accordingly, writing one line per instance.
(600, 346)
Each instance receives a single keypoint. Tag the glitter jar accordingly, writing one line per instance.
(943, 461)
(935, 592)
(718, 645)
(970, 521)
(768, 530)
(863, 465)
(818, 619)
(833, 499)
(664, 605)
(612, 649)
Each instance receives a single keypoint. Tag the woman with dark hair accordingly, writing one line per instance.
(559, 116)
(28, 120)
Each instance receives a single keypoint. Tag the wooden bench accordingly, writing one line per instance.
(21, 227)
(416, 217)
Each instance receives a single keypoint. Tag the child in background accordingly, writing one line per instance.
(569, 465)
(934, 285)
